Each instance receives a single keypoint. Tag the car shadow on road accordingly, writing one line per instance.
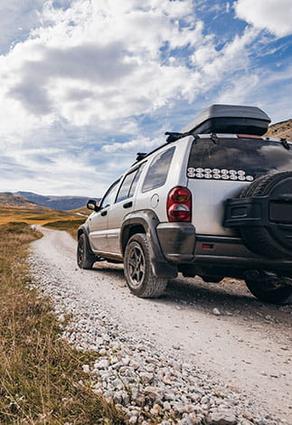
(230, 297)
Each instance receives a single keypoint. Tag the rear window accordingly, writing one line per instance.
(237, 159)
(158, 170)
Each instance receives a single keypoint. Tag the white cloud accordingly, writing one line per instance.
(109, 53)
(90, 73)
(272, 15)
(142, 144)
(239, 91)
(17, 19)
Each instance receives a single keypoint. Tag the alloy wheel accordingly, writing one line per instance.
(136, 265)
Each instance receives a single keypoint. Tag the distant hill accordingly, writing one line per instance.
(281, 129)
(8, 199)
(62, 203)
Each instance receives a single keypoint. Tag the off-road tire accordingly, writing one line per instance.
(85, 257)
(258, 239)
(150, 286)
(268, 292)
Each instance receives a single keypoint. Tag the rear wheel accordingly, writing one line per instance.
(85, 257)
(270, 289)
(138, 270)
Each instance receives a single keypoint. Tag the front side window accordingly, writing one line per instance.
(158, 170)
(240, 159)
(110, 195)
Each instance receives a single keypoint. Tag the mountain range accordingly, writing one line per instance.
(63, 203)
(281, 129)
(8, 199)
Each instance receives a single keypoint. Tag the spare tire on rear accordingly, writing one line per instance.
(263, 215)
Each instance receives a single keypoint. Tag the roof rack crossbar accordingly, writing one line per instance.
(174, 136)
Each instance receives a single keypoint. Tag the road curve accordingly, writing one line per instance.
(245, 343)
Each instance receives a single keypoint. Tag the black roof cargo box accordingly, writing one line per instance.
(230, 119)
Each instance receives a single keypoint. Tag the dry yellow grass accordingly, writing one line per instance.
(40, 374)
(69, 226)
(34, 216)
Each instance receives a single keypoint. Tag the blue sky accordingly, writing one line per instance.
(85, 84)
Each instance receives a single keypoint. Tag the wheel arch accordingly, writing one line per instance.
(146, 221)
(82, 229)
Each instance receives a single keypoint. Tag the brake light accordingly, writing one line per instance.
(179, 204)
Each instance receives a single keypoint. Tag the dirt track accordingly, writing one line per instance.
(248, 345)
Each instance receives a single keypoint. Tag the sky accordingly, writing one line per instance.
(86, 84)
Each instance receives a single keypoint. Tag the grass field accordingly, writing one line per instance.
(70, 226)
(35, 216)
(60, 220)
(40, 374)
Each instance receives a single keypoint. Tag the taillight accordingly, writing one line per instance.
(179, 204)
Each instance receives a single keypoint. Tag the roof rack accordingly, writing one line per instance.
(141, 155)
(220, 119)
(173, 136)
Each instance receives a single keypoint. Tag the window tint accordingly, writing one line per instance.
(129, 184)
(136, 179)
(110, 195)
(126, 185)
(157, 172)
(237, 159)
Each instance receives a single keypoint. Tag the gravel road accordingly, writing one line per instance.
(203, 353)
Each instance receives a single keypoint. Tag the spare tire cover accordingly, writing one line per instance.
(273, 240)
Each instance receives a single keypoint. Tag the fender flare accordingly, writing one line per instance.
(82, 229)
(149, 221)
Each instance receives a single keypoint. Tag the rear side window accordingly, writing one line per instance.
(129, 184)
(126, 185)
(158, 170)
(135, 181)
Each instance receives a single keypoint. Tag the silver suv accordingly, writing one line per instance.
(213, 201)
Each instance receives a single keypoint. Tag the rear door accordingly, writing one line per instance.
(98, 221)
(123, 205)
(215, 173)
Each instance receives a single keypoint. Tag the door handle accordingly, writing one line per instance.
(128, 204)
(103, 213)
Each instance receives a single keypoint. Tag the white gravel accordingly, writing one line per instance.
(142, 374)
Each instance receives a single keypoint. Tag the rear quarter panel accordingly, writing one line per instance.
(155, 199)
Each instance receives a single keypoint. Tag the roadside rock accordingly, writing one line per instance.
(149, 384)
(222, 417)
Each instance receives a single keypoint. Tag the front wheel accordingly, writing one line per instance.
(273, 290)
(85, 257)
(138, 270)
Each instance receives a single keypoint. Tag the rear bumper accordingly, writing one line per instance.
(180, 245)
(229, 252)
(177, 241)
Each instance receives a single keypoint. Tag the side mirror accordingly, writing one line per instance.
(92, 205)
